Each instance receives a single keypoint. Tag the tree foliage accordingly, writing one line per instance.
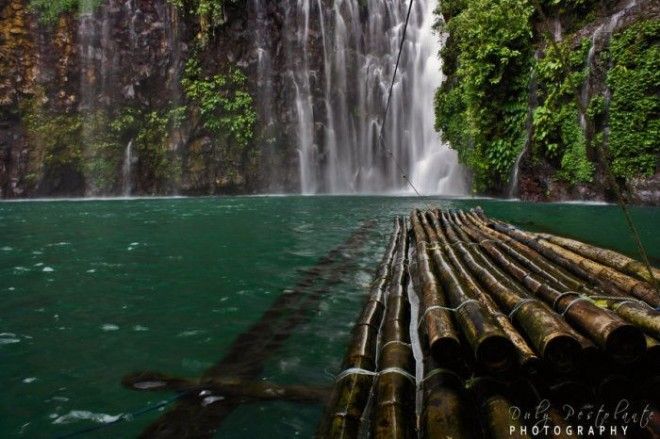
(482, 106)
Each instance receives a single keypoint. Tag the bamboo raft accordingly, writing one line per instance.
(468, 321)
(505, 321)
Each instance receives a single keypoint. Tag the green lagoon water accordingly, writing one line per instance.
(93, 290)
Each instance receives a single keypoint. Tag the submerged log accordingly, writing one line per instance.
(394, 398)
(353, 386)
(620, 339)
(226, 387)
(246, 356)
(439, 332)
(491, 348)
(546, 331)
(603, 256)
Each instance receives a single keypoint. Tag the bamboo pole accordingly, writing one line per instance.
(635, 312)
(496, 407)
(351, 392)
(610, 279)
(439, 331)
(491, 348)
(526, 357)
(227, 387)
(528, 257)
(625, 342)
(447, 409)
(394, 400)
(550, 336)
(603, 256)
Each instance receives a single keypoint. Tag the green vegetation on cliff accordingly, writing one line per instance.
(489, 60)
(225, 107)
(634, 110)
(482, 106)
(50, 10)
(558, 135)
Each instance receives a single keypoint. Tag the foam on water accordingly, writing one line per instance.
(84, 415)
(110, 327)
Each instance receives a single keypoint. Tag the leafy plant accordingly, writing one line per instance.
(634, 110)
(224, 105)
(50, 10)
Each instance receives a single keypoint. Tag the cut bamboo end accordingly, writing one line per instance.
(626, 343)
(447, 351)
(561, 351)
(496, 353)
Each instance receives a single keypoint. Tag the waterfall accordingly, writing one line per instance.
(126, 182)
(337, 67)
(532, 103)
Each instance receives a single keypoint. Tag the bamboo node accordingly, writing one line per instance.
(435, 372)
(576, 300)
(403, 343)
(621, 300)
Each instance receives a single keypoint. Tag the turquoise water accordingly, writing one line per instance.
(93, 290)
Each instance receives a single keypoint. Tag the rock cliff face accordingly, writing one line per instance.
(537, 176)
(67, 88)
(140, 97)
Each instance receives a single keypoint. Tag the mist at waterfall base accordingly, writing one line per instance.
(94, 290)
(340, 61)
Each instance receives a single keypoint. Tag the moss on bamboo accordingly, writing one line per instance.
(607, 257)
(622, 340)
(608, 278)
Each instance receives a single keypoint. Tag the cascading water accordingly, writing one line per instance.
(532, 103)
(126, 170)
(339, 64)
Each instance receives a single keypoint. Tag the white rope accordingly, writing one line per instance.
(399, 371)
(565, 293)
(354, 371)
(434, 372)
(431, 308)
(395, 342)
(519, 305)
(360, 371)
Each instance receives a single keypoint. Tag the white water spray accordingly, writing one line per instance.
(340, 61)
